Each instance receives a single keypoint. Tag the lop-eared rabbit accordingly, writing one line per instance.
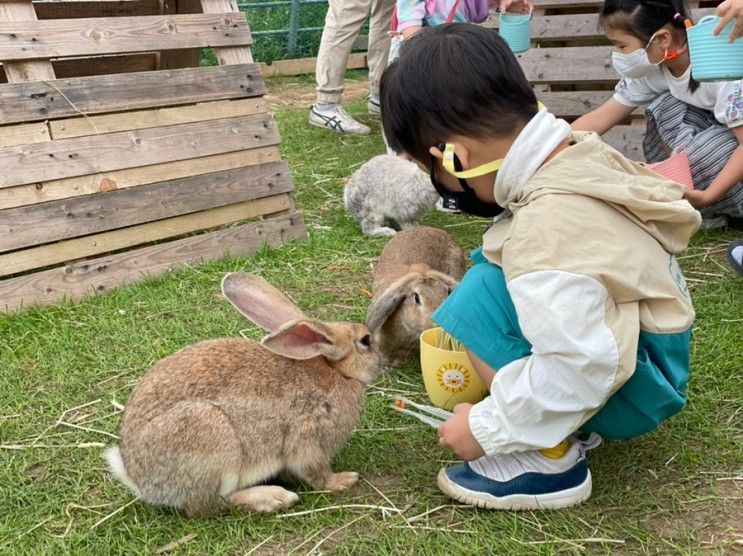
(388, 193)
(208, 424)
(416, 271)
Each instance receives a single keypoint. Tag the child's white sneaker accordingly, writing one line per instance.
(523, 480)
(335, 118)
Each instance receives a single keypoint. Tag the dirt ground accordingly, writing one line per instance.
(285, 93)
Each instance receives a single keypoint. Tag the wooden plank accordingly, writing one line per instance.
(132, 177)
(105, 273)
(23, 134)
(573, 27)
(24, 102)
(571, 104)
(99, 65)
(227, 56)
(188, 58)
(143, 119)
(81, 156)
(16, 13)
(56, 38)
(303, 66)
(573, 64)
(627, 139)
(38, 224)
(67, 9)
(106, 242)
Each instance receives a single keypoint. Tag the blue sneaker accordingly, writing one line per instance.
(522, 480)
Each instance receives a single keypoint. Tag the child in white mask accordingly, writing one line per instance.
(706, 119)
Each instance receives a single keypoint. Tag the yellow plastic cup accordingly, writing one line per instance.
(448, 375)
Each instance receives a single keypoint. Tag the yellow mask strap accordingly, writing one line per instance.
(481, 170)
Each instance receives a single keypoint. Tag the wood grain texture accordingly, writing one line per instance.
(99, 65)
(132, 177)
(103, 153)
(571, 64)
(23, 102)
(19, 12)
(573, 27)
(627, 139)
(68, 9)
(56, 38)
(571, 104)
(105, 273)
(186, 58)
(47, 222)
(144, 119)
(24, 133)
(230, 55)
(307, 65)
(106, 242)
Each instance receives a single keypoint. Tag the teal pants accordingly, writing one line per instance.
(480, 314)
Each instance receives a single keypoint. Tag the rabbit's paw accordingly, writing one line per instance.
(383, 231)
(342, 481)
(268, 498)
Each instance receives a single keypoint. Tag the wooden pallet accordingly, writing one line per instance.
(569, 65)
(125, 164)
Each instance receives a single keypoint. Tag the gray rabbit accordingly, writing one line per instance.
(416, 271)
(387, 194)
(210, 423)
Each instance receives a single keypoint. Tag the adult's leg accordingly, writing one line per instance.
(379, 41)
(343, 22)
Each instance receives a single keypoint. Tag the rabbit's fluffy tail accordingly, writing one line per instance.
(116, 465)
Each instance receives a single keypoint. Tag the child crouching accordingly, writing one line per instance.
(576, 312)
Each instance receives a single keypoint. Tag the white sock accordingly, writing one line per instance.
(326, 106)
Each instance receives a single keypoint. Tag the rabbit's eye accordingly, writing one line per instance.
(366, 340)
(417, 298)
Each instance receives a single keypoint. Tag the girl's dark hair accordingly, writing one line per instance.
(457, 79)
(642, 18)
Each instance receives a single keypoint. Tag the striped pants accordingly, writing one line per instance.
(673, 124)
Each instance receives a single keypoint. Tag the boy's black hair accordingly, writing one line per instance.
(456, 79)
(642, 18)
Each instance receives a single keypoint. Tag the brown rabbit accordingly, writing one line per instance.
(211, 422)
(416, 271)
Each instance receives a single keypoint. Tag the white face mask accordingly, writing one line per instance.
(634, 65)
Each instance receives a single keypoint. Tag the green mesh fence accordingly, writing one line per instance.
(285, 29)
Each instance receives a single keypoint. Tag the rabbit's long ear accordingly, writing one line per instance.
(305, 339)
(382, 308)
(259, 301)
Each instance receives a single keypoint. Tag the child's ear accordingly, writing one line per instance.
(460, 150)
(437, 151)
(664, 38)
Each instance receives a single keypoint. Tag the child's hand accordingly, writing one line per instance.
(456, 435)
(698, 199)
(516, 6)
(730, 9)
(410, 31)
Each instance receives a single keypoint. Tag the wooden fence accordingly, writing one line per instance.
(116, 162)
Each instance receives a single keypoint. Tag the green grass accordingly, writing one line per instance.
(670, 492)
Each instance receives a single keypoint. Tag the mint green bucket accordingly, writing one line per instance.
(714, 58)
(515, 30)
